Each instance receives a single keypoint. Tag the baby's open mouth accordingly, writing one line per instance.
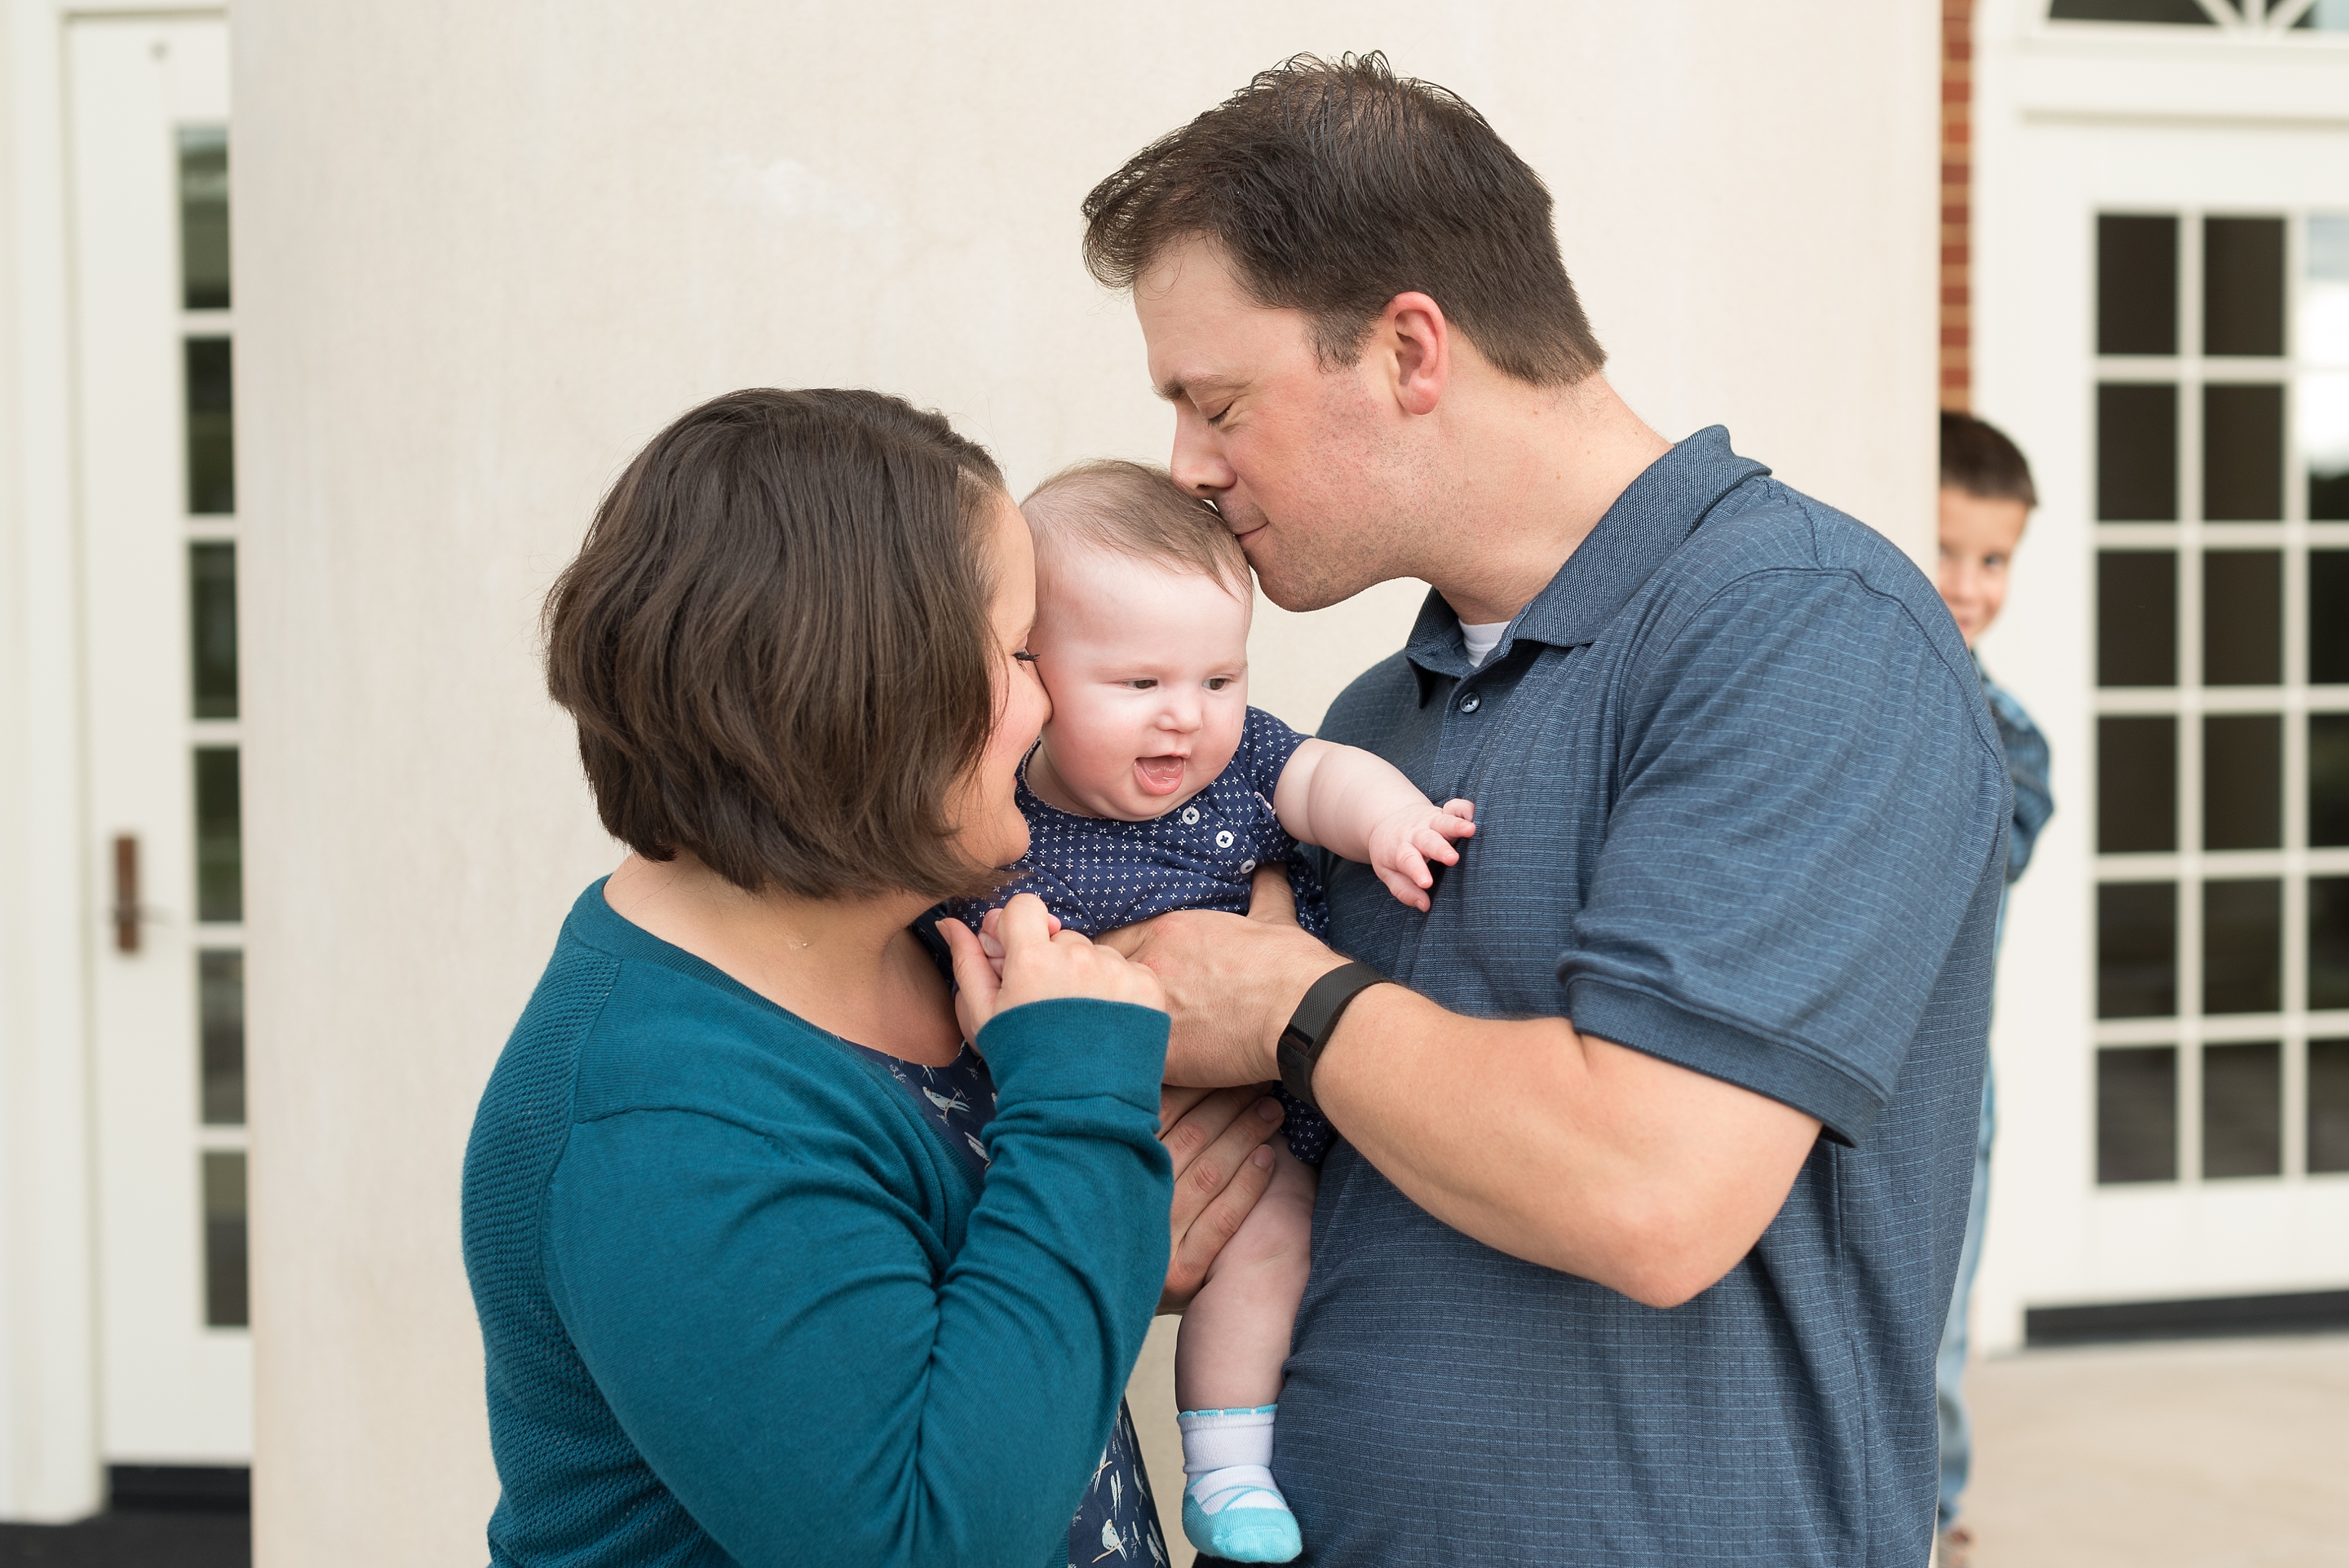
(1159, 775)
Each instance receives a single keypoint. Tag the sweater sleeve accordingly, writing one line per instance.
(783, 1334)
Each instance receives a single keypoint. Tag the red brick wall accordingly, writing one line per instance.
(1957, 201)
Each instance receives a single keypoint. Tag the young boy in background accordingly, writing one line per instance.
(1987, 497)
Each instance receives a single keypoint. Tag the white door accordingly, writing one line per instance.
(2163, 322)
(155, 429)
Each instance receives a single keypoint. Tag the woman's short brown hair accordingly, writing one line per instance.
(777, 643)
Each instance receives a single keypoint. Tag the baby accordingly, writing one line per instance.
(1156, 787)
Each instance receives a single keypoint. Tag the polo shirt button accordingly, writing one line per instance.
(1471, 703)
(1190, 814)
(1223, 840)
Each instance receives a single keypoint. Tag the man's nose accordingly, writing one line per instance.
(1197, 463)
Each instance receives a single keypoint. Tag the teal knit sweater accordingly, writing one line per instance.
(740, 1305)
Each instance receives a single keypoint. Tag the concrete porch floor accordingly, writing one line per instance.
(2203, 1454)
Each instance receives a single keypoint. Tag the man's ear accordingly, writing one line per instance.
(1413, 331)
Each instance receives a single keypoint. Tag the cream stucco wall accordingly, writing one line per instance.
(484, 251)
(48, 1373)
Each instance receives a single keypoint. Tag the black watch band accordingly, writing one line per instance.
(1315, 1020)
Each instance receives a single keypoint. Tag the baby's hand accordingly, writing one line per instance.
(990, 936)
(1403, 842)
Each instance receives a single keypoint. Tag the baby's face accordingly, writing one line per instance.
(1147, 670)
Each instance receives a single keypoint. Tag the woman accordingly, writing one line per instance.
(770, 1265)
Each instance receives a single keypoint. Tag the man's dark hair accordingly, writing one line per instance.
(1978, 459)
(1333, 187)
(777, 642)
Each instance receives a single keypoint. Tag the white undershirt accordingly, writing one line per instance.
(1482, 640)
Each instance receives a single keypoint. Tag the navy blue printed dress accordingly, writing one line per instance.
(1097, 873)
(1118, 1520)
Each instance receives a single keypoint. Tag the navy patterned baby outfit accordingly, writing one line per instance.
(1118, 1516)
(1098, 874)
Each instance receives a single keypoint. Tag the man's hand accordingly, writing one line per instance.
(1231, 982)
(1403, 841)
(1217, 1139)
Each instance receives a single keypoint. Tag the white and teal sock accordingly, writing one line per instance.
(1232, 1508)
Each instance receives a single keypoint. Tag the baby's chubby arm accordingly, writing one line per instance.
(1360, 806)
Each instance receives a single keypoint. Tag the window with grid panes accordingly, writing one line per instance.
(2222, 671)
(213, 708)
(2285, 17)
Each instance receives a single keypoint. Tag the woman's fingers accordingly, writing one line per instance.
(977, 985)
(1024, 923)
(1041, 960)
(1269, 897)
(1221, 1169)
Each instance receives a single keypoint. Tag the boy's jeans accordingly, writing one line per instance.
(1949, 1367)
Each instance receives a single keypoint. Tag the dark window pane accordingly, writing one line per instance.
(2242, 946)
(2242, 286)
(2136, 283)
(2328, 616)
(2182, 12)
(2243, 453)
(2328, 1105)
(2136, 785)
(211, 429)
(2328, 495)
(2137, 1114)
(219, 1003)
(2137, 950)
(2242, 618)
(2242, 781)
(2328, 781)
(224, 1277)
(220, 840)
(2328, 942)
(211, 627)
(2136, 452)
(2242, 1109)
(203, 217)
(2324, 418)
(2137, 618)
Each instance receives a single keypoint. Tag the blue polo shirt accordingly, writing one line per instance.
(1739, 805)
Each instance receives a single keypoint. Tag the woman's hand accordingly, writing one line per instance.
(1217, 1139)
(1040, 963)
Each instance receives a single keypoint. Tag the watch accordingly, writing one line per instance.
(1315, 1020)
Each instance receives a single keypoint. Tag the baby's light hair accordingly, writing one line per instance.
(1134, 510)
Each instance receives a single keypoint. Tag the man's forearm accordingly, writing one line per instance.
(1560, 1148)
(1553, 1146)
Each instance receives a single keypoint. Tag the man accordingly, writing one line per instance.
(1656, 1151)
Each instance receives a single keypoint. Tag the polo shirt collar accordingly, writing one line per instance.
(1653, 518)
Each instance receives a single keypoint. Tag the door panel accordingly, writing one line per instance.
(175, 1386)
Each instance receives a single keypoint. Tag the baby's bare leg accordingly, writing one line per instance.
(1235, 1335)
